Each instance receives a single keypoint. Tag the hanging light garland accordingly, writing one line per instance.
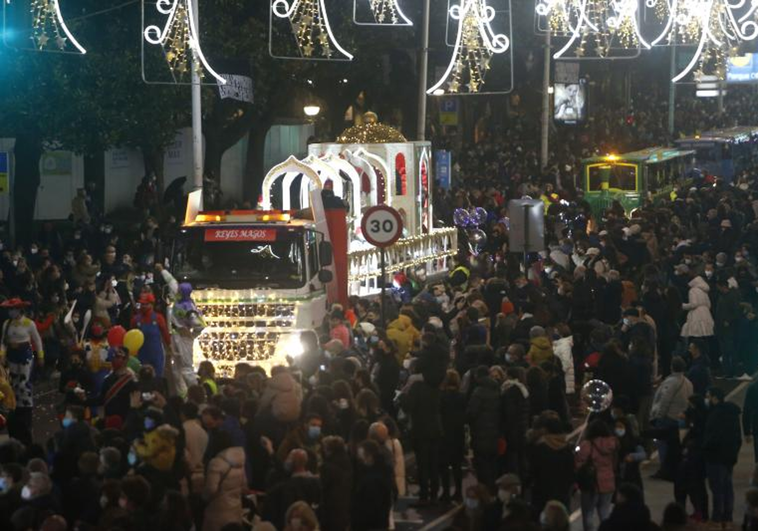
(179, 38)
(310, 26)
(48, 27)
(475, 44)
(594, 27)
(388, 12)
(715, 27)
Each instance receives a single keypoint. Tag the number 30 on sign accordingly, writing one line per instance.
(381, 226)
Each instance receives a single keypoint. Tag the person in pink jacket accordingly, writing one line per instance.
(601, 448)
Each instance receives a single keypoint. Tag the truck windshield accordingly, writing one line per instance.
(241, 257)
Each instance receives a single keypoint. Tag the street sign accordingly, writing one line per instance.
(381, 226)
(443, 167)
(527, 229)
(4, 173)
(449, 111)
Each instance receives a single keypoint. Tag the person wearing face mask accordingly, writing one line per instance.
(117, 389)
(157, 338)
(37, 494)
(631, 454)
(476, 500)
(20, 340)
(76, 382)
(75, 438)
(306, 435)
(134, 501)
(386, 371)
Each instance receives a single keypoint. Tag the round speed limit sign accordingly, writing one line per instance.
(381, 226)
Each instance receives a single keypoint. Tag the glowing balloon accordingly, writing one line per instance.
(116, 336)
(133, 341)
(461, 217)
(479, 217)
(598, 395)
(477, 239)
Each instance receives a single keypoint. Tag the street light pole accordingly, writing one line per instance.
(197, 111)
(672, 91)
(545, 104)
(423, 66)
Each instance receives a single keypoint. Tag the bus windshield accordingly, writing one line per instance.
(619, 177)
(241, 257)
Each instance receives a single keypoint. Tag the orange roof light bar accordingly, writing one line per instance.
(220, 216)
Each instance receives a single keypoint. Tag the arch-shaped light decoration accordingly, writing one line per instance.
(179, 38)
(593, 26)
(291, 165)
(310, 26)
(384, 13)
(49, 29)
(475, 44)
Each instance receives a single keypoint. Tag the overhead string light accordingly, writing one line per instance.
(180, 39)
(310, 26)
(593, 27)
(475, 45)
(48, 27)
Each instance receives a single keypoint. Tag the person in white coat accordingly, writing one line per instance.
(698, 306)
(224, 485)
(563, 349)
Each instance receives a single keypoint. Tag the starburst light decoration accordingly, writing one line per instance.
(49, 30)
(475, 45)
(310, 26)
(384, 13)
(179, 38)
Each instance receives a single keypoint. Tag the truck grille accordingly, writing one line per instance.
(260, 315)
(238, 346)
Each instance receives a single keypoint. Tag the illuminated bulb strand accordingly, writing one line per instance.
(714, 26)
(475, 44)
(179, 37)
(600, 23)
(310, 25)
(388, 9)
(47, 19)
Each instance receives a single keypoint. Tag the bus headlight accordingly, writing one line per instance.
(291, 346)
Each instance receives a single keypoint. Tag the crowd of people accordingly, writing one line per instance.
(471, 396)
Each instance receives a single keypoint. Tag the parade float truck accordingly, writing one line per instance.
(264, 279)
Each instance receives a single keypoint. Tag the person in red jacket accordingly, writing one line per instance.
(153, 326)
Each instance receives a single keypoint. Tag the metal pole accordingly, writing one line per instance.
(721, 98)
(197, 113)
(672, 91)
(384, 282)
(545, 103)
(423, 66)
(526, 241)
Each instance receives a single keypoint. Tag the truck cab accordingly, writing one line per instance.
(259, 279)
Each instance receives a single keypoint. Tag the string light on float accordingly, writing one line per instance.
(310, 26)
(383, 13)
(49, 28)
(475, 45)
(179, 38)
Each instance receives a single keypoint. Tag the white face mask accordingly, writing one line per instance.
(407, 364)
(343, 403)
(503, 495)
(103, 501)
(26, 493)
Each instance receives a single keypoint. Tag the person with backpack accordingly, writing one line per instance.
(595, 472)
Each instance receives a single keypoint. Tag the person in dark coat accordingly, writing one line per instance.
(699, 372)
(336, 485)
(514, 419)
(536, 383)
(631, 454)
(630, 512)
(551, 460)
(483, 417)
(422, 404)
(76, 438)
(386, 372)
(453, 412)
(726, 318)
(613, 368)
(690, 477)
(750, 417)
(372, 489)
(299, 485)
(721, 446)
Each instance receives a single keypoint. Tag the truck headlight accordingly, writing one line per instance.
(291, 346)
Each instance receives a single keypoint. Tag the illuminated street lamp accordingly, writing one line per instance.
(311, 110)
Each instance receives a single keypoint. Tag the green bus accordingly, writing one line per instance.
(631, 178)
